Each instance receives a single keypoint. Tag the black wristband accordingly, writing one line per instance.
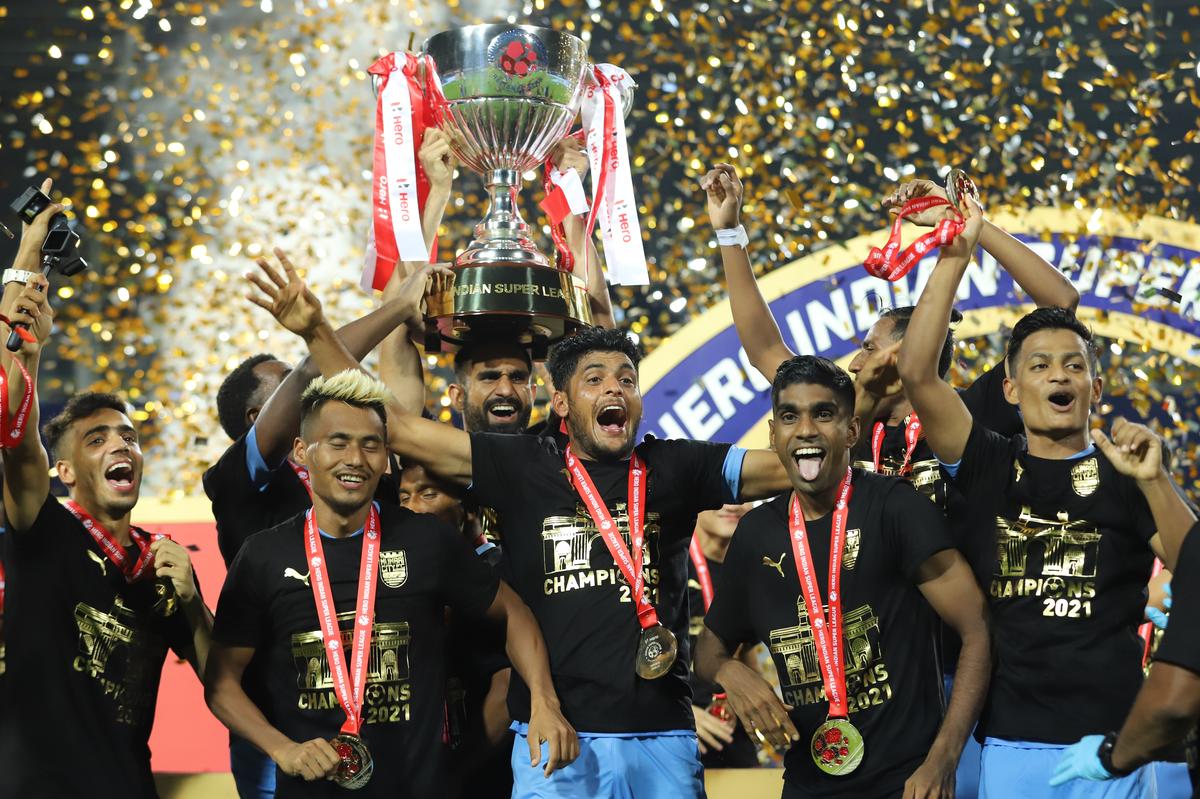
(1105, 754)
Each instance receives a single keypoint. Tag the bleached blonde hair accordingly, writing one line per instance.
(352, 386)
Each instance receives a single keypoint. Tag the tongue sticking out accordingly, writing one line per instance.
(809, 468)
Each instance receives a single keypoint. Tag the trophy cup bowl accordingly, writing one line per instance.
(505, 95)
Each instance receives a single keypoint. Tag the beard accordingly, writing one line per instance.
(585, 442)
(476, 419)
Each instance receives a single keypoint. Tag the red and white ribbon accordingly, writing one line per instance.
(890, 263)
(349, 685)
(828, 635)
(613, 201)
(12, 433)
(111, 547)
(912, 434)
(398, 185)
(702, 574)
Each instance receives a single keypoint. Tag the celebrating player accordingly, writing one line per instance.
(838, 578)
(1072, 519)
(386, 573)
(92, 603)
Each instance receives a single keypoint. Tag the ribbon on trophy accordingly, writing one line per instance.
(890, 263)
(613, 201)
(399, 184)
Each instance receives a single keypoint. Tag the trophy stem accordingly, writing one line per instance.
(502, 235)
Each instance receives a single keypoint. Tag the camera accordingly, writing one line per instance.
(60, 250)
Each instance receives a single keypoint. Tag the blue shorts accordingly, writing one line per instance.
(615, 767)
(966, 778)
(1022, 769)
(253, 772)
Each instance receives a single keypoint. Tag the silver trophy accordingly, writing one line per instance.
(505, 95)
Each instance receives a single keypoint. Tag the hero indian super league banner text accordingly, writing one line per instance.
(699, 383)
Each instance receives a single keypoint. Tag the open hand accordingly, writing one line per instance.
(286, 297)
(755, 704)
(725, 193)
(547, 723)
(410, 288)
(711, 733)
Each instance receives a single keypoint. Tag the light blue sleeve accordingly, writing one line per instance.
(732, 471)
(256, 464)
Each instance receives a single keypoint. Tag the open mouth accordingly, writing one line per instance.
(503, 410)
(1063, 400)
(808, 461)
(120, 476)
(612, 419)
(351, 481)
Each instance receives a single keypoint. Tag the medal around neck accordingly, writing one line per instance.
(656, 652)
(166, 601)
(837, 747)
(356, 765)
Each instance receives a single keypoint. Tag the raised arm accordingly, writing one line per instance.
(399, 359)
(945, 419)
(763, 476)
(569, 154)
(752, 317)
(277, 422)
(26, 466)
(1045, 285)
(946, 582)
(310, 760)
(527, 652)
(442, 449)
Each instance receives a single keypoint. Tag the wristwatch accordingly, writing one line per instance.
(1105, 754)
(18, 276)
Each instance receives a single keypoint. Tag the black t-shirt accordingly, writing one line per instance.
(893, 682)
(268, 604)
(1180, 645)
(741, 752)
(564, 572)
(1070, 550)
(243, 506)
(86, 651)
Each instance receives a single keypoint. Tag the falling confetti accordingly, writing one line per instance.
(192, 136)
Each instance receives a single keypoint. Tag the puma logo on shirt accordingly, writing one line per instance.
(290, 572)
(101, 562)
(777, 565)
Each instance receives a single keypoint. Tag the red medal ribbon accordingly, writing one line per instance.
(702, 575)
(12, 433)
(351, 686)
(829, 636)
(1, 595)
(887, 264)
(557, 208)
(629, 564)
(112, 548)
(912, 434)
(303, 476)
(1145, 630)
(605, 151)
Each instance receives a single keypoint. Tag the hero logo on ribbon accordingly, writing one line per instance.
(699, 383)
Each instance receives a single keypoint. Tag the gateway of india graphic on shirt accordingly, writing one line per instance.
(567, 541)
(796, 647)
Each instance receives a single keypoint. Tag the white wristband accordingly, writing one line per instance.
(18, 276)
(733, 237)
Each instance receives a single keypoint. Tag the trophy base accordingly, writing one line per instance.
(536, 305)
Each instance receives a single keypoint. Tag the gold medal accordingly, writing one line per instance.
(655, 653)
(166, 601)
(356, 766)
(1085, 476)
(837, 747)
